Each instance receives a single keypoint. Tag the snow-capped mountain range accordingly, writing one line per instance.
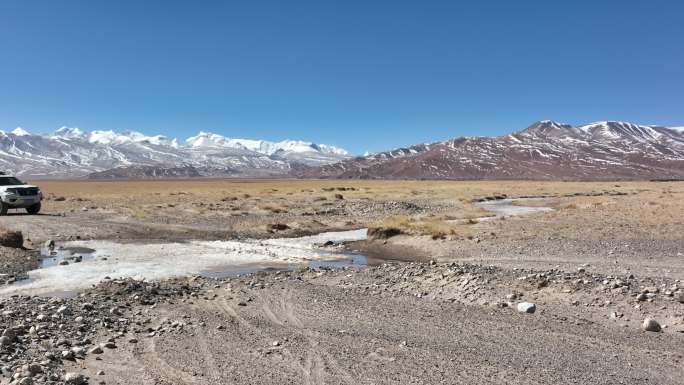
(72, 152)
(544, 150)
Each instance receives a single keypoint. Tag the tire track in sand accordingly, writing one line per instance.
(314, 368)
(283, 314)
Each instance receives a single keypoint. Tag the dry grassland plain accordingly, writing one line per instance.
(649, 209)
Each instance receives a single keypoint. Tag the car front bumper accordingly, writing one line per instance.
(20, 202)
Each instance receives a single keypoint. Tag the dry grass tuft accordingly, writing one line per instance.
(273, 207)
(399, 224)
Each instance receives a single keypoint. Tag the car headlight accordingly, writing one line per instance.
(12, 191)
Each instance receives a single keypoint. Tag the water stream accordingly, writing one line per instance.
(77, 265)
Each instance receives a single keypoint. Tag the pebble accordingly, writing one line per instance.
(74, 379)
(651, 325)
(527, 307)
(96, 350)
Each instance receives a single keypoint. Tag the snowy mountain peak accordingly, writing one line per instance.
(621, 130)
(208, 139)
(205, 139)
(20, 132)
(68, 133)
(546, 127)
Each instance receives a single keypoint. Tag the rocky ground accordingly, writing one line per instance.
(591, 292)
(394, 323)
(15, 262)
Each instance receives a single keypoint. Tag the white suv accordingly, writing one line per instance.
(15, 194)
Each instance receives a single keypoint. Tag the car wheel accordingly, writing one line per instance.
(33, 210)
(3, 208)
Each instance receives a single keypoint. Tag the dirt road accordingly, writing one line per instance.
(348, 327)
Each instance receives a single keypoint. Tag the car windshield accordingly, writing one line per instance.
(10, 181)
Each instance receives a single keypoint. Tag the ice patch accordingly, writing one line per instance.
(153, 261)
(505, 207)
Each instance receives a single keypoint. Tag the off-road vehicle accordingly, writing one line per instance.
(15, 194)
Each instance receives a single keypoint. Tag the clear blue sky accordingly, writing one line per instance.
(365, 75)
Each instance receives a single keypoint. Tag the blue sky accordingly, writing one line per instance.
(364, 75)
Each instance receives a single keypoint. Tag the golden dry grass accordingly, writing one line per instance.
(401, 224)
(138, 193)
(273, 207)
(652, 209)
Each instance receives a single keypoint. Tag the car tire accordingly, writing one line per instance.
(3, 208)
(33, 210)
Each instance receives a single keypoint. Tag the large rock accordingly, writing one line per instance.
(527, 307)
(14, 239)
(651, 325)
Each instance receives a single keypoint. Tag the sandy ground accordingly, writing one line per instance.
(608, 256)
